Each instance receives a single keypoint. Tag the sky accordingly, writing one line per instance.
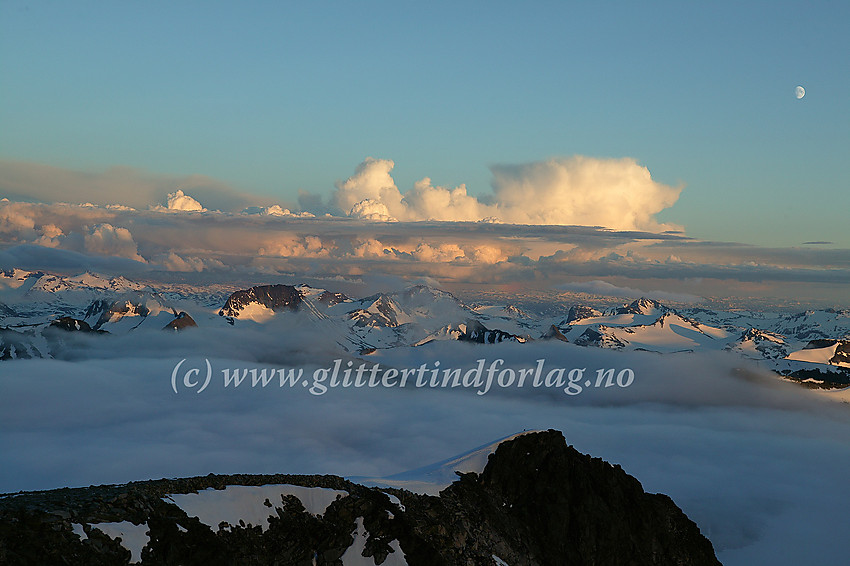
(269, 99)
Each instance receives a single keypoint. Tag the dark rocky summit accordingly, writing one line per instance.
(641, 306)
(580, 312)
(181, 321)
(591, 337)
(480, 334)
(329, 298)
(537, 502)
(133, 306)
(71, 324)
(274, 297)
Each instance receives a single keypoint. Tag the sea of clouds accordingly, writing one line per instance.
(758, 464)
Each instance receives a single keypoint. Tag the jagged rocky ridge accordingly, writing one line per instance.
(537, 502)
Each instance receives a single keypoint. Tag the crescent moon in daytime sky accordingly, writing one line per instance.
(800, 92)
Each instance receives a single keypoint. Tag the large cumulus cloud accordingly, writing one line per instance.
(613, 193)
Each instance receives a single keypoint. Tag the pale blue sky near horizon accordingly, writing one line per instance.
(273, 97)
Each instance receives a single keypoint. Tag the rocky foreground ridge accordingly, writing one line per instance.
(537, 501)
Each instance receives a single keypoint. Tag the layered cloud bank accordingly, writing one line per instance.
(618, 194)
(268, 244)
(125, 186)
(614, 193)
(585, 224)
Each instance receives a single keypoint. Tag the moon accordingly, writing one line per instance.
(799, 92)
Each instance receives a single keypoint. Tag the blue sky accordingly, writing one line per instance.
(275, 97)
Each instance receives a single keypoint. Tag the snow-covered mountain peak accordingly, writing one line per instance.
(422, 294)
(128, 312)
(380, 311)
(644, 306)
(84, 282)
(16, 278)
(322, 296)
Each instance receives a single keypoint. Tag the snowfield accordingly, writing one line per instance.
(244, 503)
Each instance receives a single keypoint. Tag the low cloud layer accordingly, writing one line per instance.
(259, 244)
(613, 193)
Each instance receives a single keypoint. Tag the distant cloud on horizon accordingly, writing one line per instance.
(605, 289)
(267, 243)
(618, 194)
(122, 186)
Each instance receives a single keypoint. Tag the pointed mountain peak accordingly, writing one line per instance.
(554, 333)
(642, 306)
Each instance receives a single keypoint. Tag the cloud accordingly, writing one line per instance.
(105, 239)
(51, 236)
(126, 186)
(371, 209)
(183, 202)
(543, 256)
(371, 181)
(275, 210)
(34, 257)
(427, 202)
(16, 221)
(617, 194)
(486, 254)
(296, 246)
(174, 262)
(369, 247)
(440, 253)
(371, 193)
(614, 193)
(606, 289)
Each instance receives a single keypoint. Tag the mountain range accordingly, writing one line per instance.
(811, 347)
